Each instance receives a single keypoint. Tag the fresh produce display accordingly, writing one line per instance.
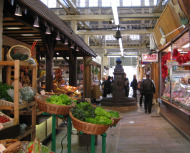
(62, 99)
(30, 147)
(114, 114)
(84, 111)
(4, 94)
(27, 93)
(18, 56)
(67, 89)
(4, 119)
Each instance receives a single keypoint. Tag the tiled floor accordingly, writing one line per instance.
(137, 132)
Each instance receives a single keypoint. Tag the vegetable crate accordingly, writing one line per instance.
(5, 120)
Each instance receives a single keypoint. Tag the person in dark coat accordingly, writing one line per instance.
(134, 86)
(107, 87)
(126, 85)
(148, 89)
(141, 94)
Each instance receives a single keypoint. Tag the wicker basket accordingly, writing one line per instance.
(116, 120)
(52, 108)
(88, 128)
(20, 49)
(12, 145)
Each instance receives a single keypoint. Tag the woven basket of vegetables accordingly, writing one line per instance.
(89, 119)
(12, 145)
(58, 105)
(18, 52)
(116, 116)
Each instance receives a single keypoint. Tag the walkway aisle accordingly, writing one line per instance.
(137, 132)
(148, 133)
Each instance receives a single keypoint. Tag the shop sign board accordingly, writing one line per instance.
(149, 58)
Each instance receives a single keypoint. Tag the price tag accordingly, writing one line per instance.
(1, 126)
(2, 148)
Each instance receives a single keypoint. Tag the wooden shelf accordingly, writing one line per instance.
(11, 63)
(24, 134)
(16, 107)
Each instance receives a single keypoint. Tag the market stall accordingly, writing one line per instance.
(175, 64)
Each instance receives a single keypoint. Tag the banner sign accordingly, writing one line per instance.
(149, 58)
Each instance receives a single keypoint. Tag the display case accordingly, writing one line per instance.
(175, 82)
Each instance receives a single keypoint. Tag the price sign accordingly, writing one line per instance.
(149, 58)
(2, 148)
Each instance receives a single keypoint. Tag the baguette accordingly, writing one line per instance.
(3, 142)
(12, 147)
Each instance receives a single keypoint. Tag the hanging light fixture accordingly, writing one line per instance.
(77, 49)
(18, 11)
(58, 36)
(48, 31)
(25, 11)
(118, 34)
(12, 2)
(72, 46)
(36, 22)
(66, 41)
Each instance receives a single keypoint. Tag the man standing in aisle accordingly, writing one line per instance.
(134, 86)
(148, 89)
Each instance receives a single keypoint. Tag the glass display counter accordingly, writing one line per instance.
(175, 83)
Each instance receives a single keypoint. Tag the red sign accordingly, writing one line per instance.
(149, 58)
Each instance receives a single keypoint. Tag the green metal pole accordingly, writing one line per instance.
(53, 145)
(104, 142)
(69, 134)
(92, 143)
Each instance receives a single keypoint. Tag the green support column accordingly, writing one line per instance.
(92, 143)
(104, 142)
(69, 134)
(53, 145)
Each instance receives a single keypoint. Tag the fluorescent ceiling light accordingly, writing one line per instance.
(163, 38)
(113, 56)
(121, 46)
(130, 56)
(37, 39)
(183, 52)
(186, 45)
(27, 35)
(115, 12)
(12, 28)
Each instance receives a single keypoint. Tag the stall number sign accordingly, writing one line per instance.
(149, 58)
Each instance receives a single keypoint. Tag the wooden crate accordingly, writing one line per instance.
(49, 126)
(41, 131)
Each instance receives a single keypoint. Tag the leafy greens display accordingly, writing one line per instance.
(84, 111)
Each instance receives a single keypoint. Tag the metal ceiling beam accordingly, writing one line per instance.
(123, 17)
(117, 47)
(113, 32)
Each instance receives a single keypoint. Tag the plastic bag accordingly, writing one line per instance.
(28, 93)
(11, 94)
(31, 61)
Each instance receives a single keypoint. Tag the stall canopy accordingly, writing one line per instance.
(31, 20)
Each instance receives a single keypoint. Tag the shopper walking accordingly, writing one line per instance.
(134, 86)
(126, 85)
(107, 87)
(148, 89)
(141, 94)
